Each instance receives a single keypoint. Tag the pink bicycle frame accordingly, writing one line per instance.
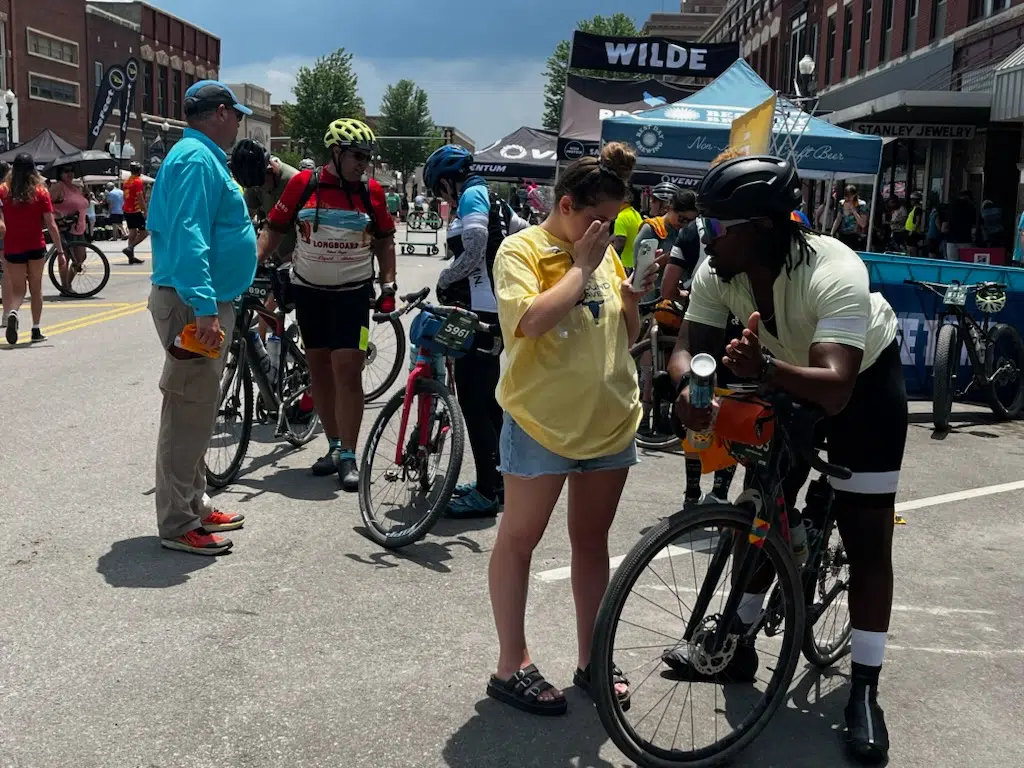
(423, 369)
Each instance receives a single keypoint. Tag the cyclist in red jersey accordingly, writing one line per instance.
(344, 226)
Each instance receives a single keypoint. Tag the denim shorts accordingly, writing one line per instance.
(522, 456)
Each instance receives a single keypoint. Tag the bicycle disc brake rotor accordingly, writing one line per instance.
(371, 354)
(700, 658)
(1006, 371)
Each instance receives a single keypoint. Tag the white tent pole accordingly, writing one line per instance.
(871, 213)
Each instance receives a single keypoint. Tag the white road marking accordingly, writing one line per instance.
(563, 573)
(958, 651)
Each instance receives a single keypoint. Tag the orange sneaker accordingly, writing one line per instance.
(199, 542)
(222, 521)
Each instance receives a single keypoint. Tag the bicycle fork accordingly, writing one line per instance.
(422, 369)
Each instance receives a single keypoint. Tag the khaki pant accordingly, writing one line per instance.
(191, 390)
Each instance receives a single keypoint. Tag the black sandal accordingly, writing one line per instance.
(523, 690)
(582, 681)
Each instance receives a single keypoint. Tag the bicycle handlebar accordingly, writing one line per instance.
(935, 287)
(416, 300)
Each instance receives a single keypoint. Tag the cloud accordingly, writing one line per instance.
(483, 99)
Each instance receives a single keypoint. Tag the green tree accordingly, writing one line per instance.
(558, 64)
(404, 112)
(323, 93)
(289, 157)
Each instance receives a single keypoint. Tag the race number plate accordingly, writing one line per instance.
(260, 289)
(751, 455)
(457, 329)
(956, 295)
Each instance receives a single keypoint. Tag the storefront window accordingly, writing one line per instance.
(937, 172)
(865, 36)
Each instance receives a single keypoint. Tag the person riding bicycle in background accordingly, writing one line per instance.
(816, 331)
(671, 209)
(473, 238)
(134, 211)
(343, 225)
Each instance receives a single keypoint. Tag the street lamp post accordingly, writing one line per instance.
(9, 99)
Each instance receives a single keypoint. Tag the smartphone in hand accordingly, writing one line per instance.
(644, 257)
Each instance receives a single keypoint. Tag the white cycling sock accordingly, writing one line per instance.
(868, 648)
(750, 607)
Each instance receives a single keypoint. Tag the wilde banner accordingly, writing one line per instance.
(131, 71)
(651, 55)
(110, 89)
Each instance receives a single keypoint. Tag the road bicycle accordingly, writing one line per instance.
(413, 455)
(660, 322)
(85, 269)
(995, 351)
(284, 389)
(725, 548)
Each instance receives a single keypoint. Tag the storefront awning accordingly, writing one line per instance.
(1008, 88)
(920, 106)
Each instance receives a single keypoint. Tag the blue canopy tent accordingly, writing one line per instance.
(690, 133)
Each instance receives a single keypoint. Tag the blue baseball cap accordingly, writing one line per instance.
(210, 92)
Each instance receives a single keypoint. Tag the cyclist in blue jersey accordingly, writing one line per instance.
(473, 238)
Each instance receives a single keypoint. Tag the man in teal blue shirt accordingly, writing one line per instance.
(204, 257)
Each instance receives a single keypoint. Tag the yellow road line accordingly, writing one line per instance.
(48, 305)
(92, 319)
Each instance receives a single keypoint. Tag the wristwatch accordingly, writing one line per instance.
(767, 373)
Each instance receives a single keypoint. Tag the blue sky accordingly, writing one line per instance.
(480, 62)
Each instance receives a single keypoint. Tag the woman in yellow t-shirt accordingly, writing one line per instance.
(571, 405)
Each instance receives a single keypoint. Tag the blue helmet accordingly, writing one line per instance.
(448, 162)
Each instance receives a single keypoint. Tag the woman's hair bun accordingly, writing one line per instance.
(619, 158)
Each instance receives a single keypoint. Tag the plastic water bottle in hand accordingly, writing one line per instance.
(274, 355)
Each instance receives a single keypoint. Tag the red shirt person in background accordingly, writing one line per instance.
(134, 211)
(27, 209)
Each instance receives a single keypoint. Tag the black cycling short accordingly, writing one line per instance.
(135, 220)
(333, 319)
(25, 256)
(867, 437)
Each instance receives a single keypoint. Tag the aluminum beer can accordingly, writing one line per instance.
(702, 380)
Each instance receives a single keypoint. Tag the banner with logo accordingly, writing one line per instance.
(651, 55)
(109, 92)
(589, 100)
(131, 71)
(528, 153)
(751, 133)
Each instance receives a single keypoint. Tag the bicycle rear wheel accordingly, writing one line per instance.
(828, 631)
(655, 431)
(721, 719)
(401, 501)
(301, 425)
(233, 426)
(87, 276)
(384, 358)
(1004, 358)
(944, 375)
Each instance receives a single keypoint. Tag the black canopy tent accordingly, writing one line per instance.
(44, 148)
(528, 153)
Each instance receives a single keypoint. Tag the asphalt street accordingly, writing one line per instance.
(310, 646)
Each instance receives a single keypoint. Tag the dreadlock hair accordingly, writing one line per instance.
(589, 180)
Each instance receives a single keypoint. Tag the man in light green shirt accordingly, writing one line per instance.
(627, 225)
(394, 200)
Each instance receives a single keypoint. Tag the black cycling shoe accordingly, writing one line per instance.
(348, 473)
(866, 736)
(692, 497)
(742, 667)
(327, 464)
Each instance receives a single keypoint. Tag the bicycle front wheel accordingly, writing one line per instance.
(405, 482)
(384, 358)
(233, 426)
(944, 375)
(655, 431)
(669, 594)
(87, 273)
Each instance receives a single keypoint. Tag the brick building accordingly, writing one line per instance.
(174, 54)
(939, 79)
(692, 21)
(258, 125)
(110, 39)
